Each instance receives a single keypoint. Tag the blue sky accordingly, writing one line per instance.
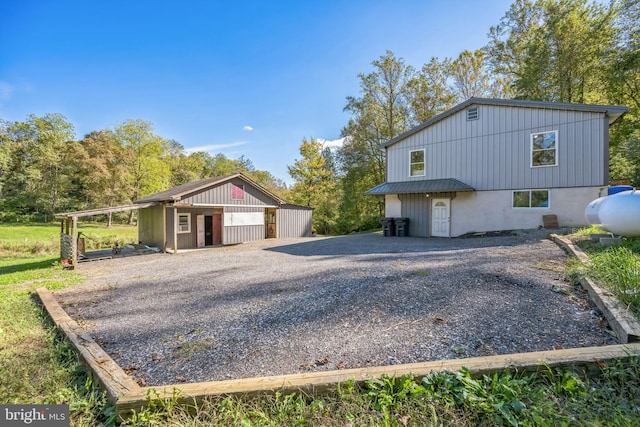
(240, 78)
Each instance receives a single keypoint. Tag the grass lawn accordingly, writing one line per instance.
(38, 366)
(40, 239)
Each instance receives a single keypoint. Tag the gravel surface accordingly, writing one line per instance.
(288, 306)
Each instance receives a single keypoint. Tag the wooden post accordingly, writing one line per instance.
(74, 242)
(164, 227)
(175, 230)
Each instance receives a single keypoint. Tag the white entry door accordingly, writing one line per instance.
(200, 231)
(440, 217)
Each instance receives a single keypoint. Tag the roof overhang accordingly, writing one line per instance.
(104, 211)
(447, 185)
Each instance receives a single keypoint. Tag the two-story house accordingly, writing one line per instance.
(494, 164)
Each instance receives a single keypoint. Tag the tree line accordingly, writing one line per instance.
(44, 170)
(575, 51)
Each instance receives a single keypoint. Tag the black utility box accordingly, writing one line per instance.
(402, 227)
(388, 227)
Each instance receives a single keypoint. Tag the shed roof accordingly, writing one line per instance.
(103, 211)
(177, 193)
(423, 186)
(614, 112)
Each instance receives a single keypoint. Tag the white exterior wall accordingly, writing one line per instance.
(492, 210)
(392, 206)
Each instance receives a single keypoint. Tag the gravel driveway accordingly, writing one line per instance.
(288, 306)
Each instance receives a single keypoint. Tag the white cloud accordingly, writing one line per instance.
(213, 147)
(335, 143)
(248, 128)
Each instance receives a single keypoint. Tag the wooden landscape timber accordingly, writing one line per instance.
(588, 359)
(113, 379)
(128, 396)
(621, 320)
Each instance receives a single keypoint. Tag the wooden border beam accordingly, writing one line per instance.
(111, 376)
(588, 358)
(621, 320)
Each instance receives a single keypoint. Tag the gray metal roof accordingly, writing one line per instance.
(423, 186)
(104, 211)
(177, 193)
(614, 112)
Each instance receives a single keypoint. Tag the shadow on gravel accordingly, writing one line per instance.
(376, 243)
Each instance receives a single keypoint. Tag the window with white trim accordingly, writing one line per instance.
(531, 199)
(544, 149)
(416, 163)
(184, 223)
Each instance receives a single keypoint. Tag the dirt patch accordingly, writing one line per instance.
(289, 306)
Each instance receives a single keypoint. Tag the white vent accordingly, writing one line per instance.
(472, 113)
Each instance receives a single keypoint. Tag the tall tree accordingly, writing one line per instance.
(145, 155)
(554, 50)
(381, 112)
(429, 91)
(103, 171)
(37, 165)
(315, 184)
(471, 77)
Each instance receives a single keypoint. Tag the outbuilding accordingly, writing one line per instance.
(218, 211)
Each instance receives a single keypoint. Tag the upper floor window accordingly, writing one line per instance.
(416, 163)
(544, 148)
(237, 191)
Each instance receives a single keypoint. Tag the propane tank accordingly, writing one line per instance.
(619, 213)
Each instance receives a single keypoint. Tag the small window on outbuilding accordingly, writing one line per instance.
(184, 223)
(472, 113)
(237, 191)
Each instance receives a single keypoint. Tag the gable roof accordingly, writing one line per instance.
(423, 186)
(175, 194)
(614, 112)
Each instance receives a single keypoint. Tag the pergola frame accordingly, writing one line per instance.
(69, 226)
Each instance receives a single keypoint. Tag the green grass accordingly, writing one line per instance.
(37, 365)
(19, 239)
(616, 268)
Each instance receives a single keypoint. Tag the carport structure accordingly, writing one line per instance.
(69, 237)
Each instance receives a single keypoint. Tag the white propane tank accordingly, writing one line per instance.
(591, 212)
(619, 213)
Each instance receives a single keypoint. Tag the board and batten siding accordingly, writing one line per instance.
(416, 208)
(150, 226)
(171, 221)
(293, 221)
(242, 233)
(221, 195)
(494, 152)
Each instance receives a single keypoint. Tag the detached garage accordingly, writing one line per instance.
(218, 211)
